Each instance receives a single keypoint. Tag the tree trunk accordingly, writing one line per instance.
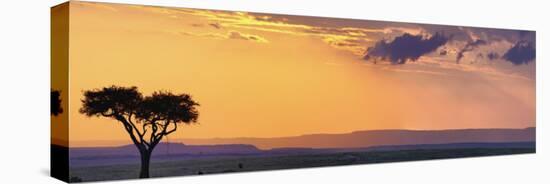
(145, 160)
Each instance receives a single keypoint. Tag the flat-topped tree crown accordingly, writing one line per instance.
(166, 106)
(111, 101)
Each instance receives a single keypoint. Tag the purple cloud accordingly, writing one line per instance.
(405, 48)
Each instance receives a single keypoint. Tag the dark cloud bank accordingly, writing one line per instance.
(522, 52)
(408, 47)
(405, 48)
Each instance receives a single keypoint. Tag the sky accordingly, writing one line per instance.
(60, 72)
(265, 75)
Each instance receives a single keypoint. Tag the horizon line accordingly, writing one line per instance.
(214, 138)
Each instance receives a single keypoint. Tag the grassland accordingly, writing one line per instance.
(212, 165)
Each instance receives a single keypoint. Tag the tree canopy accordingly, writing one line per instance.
(146, 119)
(55, 103)
(157, 114)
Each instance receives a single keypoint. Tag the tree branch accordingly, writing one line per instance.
(130, 131)
(107, 115)
(135, 128)
(163, 133)
(153, 133)
(173, 130)
(144, 128)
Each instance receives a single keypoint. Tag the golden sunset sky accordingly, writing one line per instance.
(262, 75)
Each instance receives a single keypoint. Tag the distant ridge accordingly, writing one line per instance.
(368, 138)
(165, 148)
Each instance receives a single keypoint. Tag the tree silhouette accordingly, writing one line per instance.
(146, 119)
(55, 102)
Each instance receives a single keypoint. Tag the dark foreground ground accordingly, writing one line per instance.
(228, 164)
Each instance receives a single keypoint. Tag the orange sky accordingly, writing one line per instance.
(257, 75)
(59, 70)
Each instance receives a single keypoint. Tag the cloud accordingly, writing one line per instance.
(469, 47)
(413, 31)
(215, 25)
(471, 35)
(525, 34)
(522, 52)
(242, 36)
(342, 37)
(405, 47)
(356, 36)
(228, 35)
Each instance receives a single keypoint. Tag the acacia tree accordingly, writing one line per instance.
(55, 102)
(146, 119)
